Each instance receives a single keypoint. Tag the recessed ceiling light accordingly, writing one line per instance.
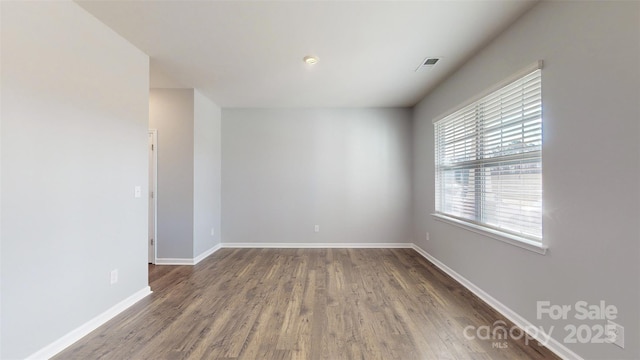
(311, 60)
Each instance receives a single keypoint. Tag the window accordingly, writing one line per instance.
(488, 162)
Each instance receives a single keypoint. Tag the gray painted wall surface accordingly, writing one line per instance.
(171, 113)
(286, 170)
(189, 180)
(207, 174)
(591, 166)
(74, 146)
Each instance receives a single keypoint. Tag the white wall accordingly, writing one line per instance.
(591, 167)
(206, 174)
(74, 146)
(171, 113)
(286, 170)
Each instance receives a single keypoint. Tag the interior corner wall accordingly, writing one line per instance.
(286, 170)
(171, 112)
(591, 169)
(189, 172)
(74, 146)
(207, 174)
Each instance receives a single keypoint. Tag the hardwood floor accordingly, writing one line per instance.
(303, 304)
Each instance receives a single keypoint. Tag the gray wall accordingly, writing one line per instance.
(171, 112)
(74, 146)
(207, 174)
(189, 161)
(591, 167)
(347, 170)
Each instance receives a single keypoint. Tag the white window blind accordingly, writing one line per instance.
(488, 159)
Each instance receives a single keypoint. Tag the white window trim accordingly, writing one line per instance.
(518, 241)
(521, 242)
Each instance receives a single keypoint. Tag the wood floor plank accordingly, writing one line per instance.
(303, 304)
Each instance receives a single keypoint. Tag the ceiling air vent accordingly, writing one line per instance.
(428, 64)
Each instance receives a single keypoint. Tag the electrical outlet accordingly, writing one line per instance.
(114, 276)
(428, 237)
(213, 231)
(316, 228)
(615, 333)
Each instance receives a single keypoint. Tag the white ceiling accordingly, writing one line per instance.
(249, 53)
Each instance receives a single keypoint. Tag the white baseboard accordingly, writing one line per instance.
(57, 346)
(174, 261)
(320, 245)
(188, 261)
(193, 261)
(552, 344)
(75, 335)
(202, 256)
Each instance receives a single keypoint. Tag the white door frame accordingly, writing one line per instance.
(152, 239)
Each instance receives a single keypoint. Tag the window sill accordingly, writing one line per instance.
(507, 238)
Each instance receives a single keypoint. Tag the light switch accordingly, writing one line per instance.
(138, 191)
